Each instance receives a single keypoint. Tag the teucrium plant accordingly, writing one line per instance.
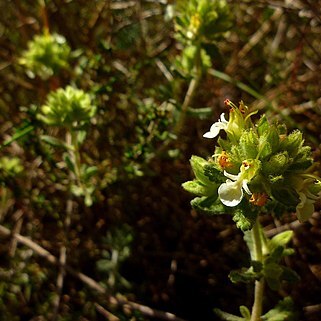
(46, 55)
(199, 25)
(72, 109)
(257, 166)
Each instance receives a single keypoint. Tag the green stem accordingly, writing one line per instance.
(190, 91)
(76, 156)
(259, 284)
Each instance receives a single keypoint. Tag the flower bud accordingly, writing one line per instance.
(69, 107)
(46, 55)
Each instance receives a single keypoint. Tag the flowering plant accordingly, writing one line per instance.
(46, 55)
(257, 166)
(70, 107)
(199, 25)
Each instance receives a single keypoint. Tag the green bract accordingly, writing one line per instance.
(262, 165)
(69, 107)
(46, 55)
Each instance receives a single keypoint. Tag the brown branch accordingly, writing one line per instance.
(91, 283)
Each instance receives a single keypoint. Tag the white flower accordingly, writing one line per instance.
(231, 192)
(308, 191)
(216, 127)
(305, 208)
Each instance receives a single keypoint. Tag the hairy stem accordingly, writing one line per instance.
(193, 85)
(63, 248)
(259, 284)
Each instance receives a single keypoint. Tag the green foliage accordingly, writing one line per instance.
(151, 129)
(46, 55)
(118, 242)
(10, 167)
(283, 311)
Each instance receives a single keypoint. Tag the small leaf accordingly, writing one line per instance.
(213, 174)
(201, 113)
(292, 143)
(245, 312)
(227, 316)
(20, 132)
(90, 171)
(276, 255)
(283, 311)
(244, 275)
(198, 164)
(277, 164)
(263, 126)
(197, 188)
(289, 275)
(272, 275)
(81, 136)
(209, 205)
(249, 144)
(88, 200)
(77, 190)
(69, 163)
(281, 239)
(54, 142)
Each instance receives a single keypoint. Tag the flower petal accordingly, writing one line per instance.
(210, 135)
(230, 193)
(305, 208)
(245, 187)
(223, 119)
(231, 176)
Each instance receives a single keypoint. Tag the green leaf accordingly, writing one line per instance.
(277, 164)
(292, 143)
(81, 136)
(55, 142)
(198, 164)
(281, 239)
(272, 274)
(90, 172)
(88, 200)
(201, 113)
(213, 174)
(209, 205)
(263, 126)
(289, 275)
(276, 255)
(77, 190)
(283, 311)
(69, 163)
(227, 316)
(245, 312)
(239, 84)
(23, 131)
(197, 188)
(249, 144)
(244, 275)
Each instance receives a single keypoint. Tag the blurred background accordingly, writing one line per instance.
(131, 228)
